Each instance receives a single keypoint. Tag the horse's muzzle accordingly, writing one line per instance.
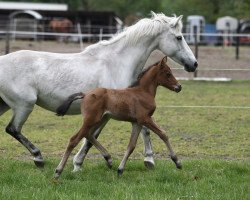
(190, 68)
(177, 88)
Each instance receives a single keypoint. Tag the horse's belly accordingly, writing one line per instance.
(52, 104)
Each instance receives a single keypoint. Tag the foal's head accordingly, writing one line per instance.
(165, 78)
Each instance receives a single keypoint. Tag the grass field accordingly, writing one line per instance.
(213, 144)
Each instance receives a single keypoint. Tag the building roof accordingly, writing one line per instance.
(33, 6)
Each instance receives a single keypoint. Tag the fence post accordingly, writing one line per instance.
(7, 37)
(196, 48)
(100, 34)
(79, 30)
(237, 46)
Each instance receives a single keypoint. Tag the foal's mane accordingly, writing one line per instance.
(144, 27)
(136, 83)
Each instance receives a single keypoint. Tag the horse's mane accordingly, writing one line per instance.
(136, 83)
(145, 27)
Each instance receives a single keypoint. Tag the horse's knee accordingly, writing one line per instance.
(10, 129)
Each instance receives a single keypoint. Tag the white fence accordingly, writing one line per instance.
(100, 33)
(234, 69)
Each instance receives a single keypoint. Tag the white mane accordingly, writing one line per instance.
(146, 27)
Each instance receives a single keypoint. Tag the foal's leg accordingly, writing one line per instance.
(148, 160)
(161, 133)
(74, 140)
(80, 156)
(131, 146)
(103, 151)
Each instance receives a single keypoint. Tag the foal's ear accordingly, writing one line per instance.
(164, 62)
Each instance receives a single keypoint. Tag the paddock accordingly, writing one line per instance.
(212, 142)
(209, 129)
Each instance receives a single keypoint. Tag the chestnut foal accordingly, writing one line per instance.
(135, 104)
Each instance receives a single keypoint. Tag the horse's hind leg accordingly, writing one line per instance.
(148, 160)
(79, 157)
(131, 146)
(153, 126)
(20, 115)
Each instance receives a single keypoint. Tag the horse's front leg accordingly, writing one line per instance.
(81, 154)
(20, 115)
(148, 151)
(162, 134)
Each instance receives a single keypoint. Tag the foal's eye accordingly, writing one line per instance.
(168, 75)
(179, 37)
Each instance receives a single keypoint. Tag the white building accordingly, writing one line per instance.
(195, 25)
(227, 25)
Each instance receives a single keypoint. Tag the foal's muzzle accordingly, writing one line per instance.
(177, 88)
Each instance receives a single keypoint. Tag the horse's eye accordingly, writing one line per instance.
(179, 38)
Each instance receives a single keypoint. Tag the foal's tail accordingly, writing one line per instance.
(63, 108)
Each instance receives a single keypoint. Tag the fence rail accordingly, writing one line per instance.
(73, 34)
(229, 68)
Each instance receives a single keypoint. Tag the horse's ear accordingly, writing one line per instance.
(165, 59)
(163, 62)
(176, 21)
(153, 14)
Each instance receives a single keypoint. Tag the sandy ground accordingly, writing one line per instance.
(209, 58)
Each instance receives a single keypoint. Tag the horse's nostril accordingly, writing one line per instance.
(196, 64)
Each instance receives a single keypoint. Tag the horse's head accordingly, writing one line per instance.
(172, 43)
(165, 77)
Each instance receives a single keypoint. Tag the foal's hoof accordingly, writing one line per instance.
(39, 162)
(109, 164)
(55, 181)
(108, 161)
(119, 172)
(149, 163)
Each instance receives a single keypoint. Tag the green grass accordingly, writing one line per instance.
(199, 179)
(212, 143)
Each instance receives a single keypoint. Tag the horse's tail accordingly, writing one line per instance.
(63, 108)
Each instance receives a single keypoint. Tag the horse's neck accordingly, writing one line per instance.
(129, 59)
(148, 82)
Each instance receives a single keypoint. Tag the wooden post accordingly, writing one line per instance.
(7, 37)
(196, 47)
(237, 46)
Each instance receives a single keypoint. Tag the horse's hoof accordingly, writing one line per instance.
(149, 163)
(119, 172)
(39, 162)
(178, 165)
(77, 168)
